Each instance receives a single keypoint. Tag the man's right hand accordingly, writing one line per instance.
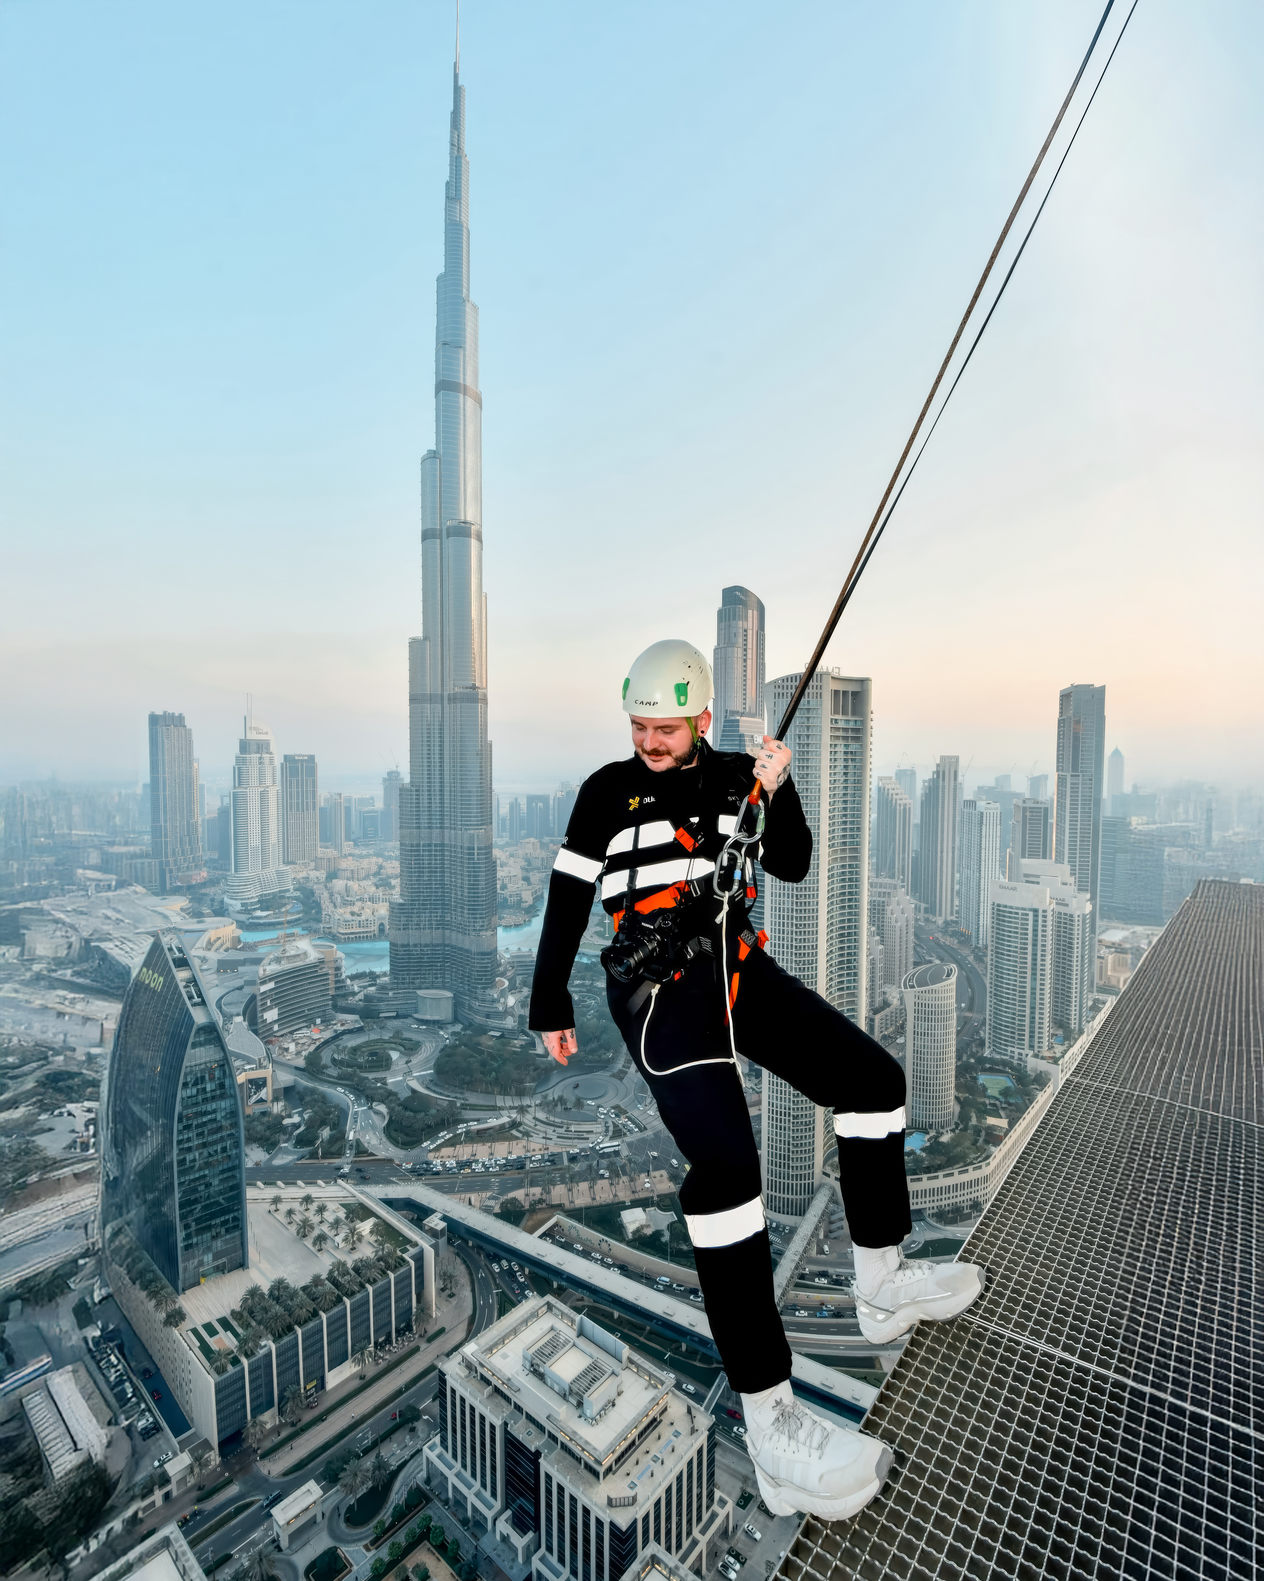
(560, 1045)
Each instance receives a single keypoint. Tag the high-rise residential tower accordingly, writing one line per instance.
(176, 832)
(388, 828)
(300, 808)
(930, 1044)
(980, 866)
(819, 929)
(891, 914)
(1019, 970)
(1031, 831)
(443, 926)
(906, 779)
(256, 802)
(1114, 776)
(937, 859)
(738, 709)
(1077, 813)
(1038, 787)
(1074, 960)
(893, 833)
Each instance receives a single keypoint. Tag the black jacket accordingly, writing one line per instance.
(626, 817)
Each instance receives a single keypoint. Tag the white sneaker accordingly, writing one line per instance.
(804, 1464)
(914, 1291)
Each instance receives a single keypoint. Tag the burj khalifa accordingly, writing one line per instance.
(443, 926)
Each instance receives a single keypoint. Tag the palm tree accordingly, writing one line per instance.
(362, 1358)
(289, 1214)
(260, 1566)
(353, 1237)
(303, 1228)
(275, 1203)
(319, 1241)
(379, 1470)
(322, 1208)
(292, 1405)
(254, 1433)
(306, 1200)
(353, 1479)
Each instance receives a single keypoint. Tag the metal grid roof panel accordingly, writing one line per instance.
(1098, 1412)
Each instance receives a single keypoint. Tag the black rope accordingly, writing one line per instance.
(882, 513)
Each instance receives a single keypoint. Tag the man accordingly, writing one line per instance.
(690, 986)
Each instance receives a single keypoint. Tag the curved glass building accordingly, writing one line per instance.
(172, 1182)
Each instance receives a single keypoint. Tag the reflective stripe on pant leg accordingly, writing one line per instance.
(866, 1124)
(727, 1226)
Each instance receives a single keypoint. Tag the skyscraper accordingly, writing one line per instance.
(819, 928)
(893, 834)
(443, 926)
(930, 1043)
(1074, 959)
(336, 822)
(1031, 831)
(980, 866)
(300, 808)
(173, 1185)
(1077, 815)
(1038, 787)
(937, 862)
(891, 913)
(388, 828)
(256, 802)
(176, 832)
(1114, 776)
(906, 779)
(1019, 970)
(739, 670)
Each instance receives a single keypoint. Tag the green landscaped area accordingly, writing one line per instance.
(604, 1219)
(328, 1565)
(368, 1506)
(997, 1085)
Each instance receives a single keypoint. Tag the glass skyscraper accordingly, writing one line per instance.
(172, 1182)
(1077, 815)
(443, 927)
(176, 832)
(738, 709)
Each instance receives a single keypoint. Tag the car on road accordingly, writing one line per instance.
(755, 1537)
(273, 1499)
(688, 1388)
(155, 1394)
(730, 1411)
(728, 1569)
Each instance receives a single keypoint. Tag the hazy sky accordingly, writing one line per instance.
(718, 250)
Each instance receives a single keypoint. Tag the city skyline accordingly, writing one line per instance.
(1045, 468)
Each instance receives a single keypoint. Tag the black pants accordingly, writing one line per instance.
(679, 1039)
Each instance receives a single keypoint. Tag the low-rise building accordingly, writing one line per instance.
(573, 1450)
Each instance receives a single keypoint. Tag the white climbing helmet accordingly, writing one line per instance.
(670, 680)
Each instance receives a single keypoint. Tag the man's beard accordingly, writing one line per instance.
(678, 760)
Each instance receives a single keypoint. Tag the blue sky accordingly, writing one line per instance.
(718, 250)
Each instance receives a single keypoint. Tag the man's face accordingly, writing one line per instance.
(666, 743)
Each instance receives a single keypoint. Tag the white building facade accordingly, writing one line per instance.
(573, 1450)
(980, 847)
(930, 1043)
(738, 708)
(937, 854)
(893, 833)
(1019, 970)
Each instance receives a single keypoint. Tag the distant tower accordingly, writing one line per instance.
(1031, 831)
(1114, 776)
(1074, 958)
(388, 829)
(893, 834)
(300, 808)
(1038, 787)
(980, 866)
(336, 821)
(1077, 816)
(891, 914)
(819, 928)
(937, 864)
(930, 1042)
(906, 779)
(443, 926)
(256, 802)
(738, 709)
(175, 827)
(1019, 970)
